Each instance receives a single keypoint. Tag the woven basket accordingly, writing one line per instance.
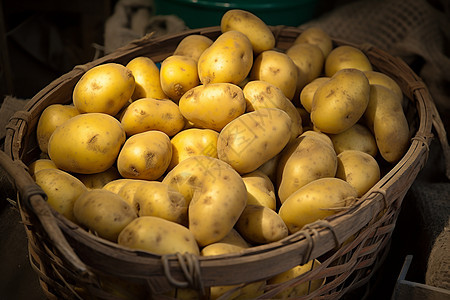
(73, 264)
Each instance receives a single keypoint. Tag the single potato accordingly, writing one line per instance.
(128, 189)
(178, 75)
(115, 185)
(41, 164)
(346, 57)
(193, 46)
(146, 76)
(308, 91)
(357, 137)
(260, 189)
(318, 37)
(231, 243)
(98, 180)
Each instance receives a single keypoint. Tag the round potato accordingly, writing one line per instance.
(232, 242)
(357, 137)
(379, 78)
(105, 89)
(318, 37)
(193, 46)
(146, 76)
(115, 185)
(346, 57)
(178, 75)
(128, 189)
(260, 189)
(308, 91)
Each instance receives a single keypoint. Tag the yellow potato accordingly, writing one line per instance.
(41, 164)
(212, 106)
(98, 180)
(339, 103)
(145, 155)
(103, 212)
(178, 75)
(52, 116)
(278, 69)
(359, 169)
(228, 59)
(324, 137)
(61, 188)
(115, 185)
(87, 143)
(306, 119)
(146, 76)
(254, 138)
(104, 89)
(385, 117)
(308, 91)
(357, 137)
(318, 37)
(259, 34)
(192, 142)
(128, 189)
(260, 189)
(152, 114)
(269, 168)
(158, 236)
(379, 78)
(346, 57)
(193, 46)
(231, 243)
(317, 200)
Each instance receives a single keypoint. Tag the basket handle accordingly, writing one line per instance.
(34, 199)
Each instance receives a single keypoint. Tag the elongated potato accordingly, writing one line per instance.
(178, 75)
(346, 57)
(193, 46)
(41, 164)
(146, 76)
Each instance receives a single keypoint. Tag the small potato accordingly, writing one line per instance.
(228, 59)
(269, 168)
(41, 164)
(357, 137)
(87, 143)
(145, 155)
(359, 169)
(104, 89)
(346, 57)
(316, 36)
(152, 114)
(115, 185)
(260, 189)
(231, 243)
(253, 138)
(308, 91)
(315, 201)
(128, 189)
(103, 212)
(259, 34)
(317, 134)
(212, 106)
(178, 75)
(192, 142)
(261, 225)
(339, 103)
(193, 46)
(158, 236)
(61, 188)
(52, 116)
(146, 76)
(98, 180)
(278, 69)
(379, 78)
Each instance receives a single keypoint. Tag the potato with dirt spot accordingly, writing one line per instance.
(128, 190)
(145, 155)
(260, 189)
(178, 75)
(115, 185)
(346, 57)
(103, 212)
(357, 137)
(158, 236)
(193, 46)
(318, 37)
(146, 76)
(87, 143)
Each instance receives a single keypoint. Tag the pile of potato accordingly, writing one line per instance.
(229, 144)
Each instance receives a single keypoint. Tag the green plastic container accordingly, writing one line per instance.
(205, 13)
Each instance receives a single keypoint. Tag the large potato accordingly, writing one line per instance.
(152, 114)
(103, 212)
(318, 37)
(315, 201)
(341, 101)
(52, 116)
(260, 189)
(228, 59)
(105, 89)
(357, 137)
(87, 143)
(146, 76)
(158, 236)
(193, 46)
(346, 57)
(308, 91)
(178, 75)
(254, 138)
(213, 105)
(145, 155)
(254, 28)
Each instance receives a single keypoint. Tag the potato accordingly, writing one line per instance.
(212, 106)
(152, 114)
(128, 189)
(40, 164)
(193, 46)
(158, 236)
(252, 139)
(359, 169)
(357, 137)
(216, 195)
(98, 180)
(379, 78)
(231, 243)
(260, 189)
(317, 134)
(385, 117)
(103, 212)
(346, 57)
(105, 89)
(115, 185)
(228, 59)
(269, 168)
(306, 119)
(261, 225)
(339, 103)
(178, 75)
(87, 143)
(145, 155)
(61, 188)
(305, 160)
(259, 34)
(308, 91)
(157, 199)
(278, 69)
(260, 94)
(316, 200)
(301, 289)
(52, 116)
(146, 76)
(192, 142)
(316, 36)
